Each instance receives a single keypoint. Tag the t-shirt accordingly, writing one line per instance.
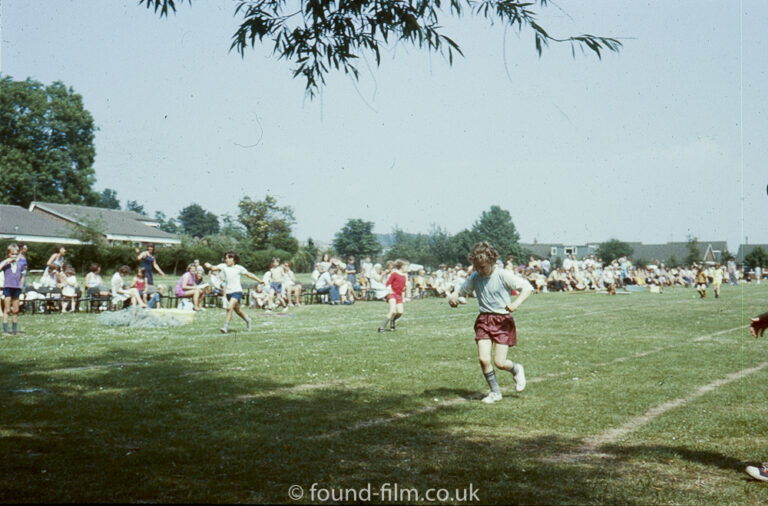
(13, 273)
(117, 285)
(397, 282)
(231, 277)
(493, 292)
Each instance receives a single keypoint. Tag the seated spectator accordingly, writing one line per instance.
(122, 294)
(261, 299)
(155, 295)
(187, 288)
(94, 285)
(292, 287)
(325, 285)
(378, 283)
(49, 286)
(69, 289)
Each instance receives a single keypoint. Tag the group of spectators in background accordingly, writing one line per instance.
(337, 281)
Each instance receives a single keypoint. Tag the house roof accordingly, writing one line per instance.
(20, 225)
(118, 225)
(746, 249)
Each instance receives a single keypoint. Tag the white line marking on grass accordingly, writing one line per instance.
(591, 444)
(453, 402)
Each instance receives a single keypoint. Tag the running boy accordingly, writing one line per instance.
(231, 272)
(396, 281)
(494, 324)
(13, 274)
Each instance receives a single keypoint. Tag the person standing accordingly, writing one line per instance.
(147, 260)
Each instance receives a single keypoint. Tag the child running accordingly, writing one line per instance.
(396, 282)
(13, 274)
(494, 324)
(231, 272)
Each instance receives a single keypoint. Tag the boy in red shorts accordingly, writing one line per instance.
(396, 282)
(492, 286)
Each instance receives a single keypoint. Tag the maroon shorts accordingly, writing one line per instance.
(500, 328)
(398, 298)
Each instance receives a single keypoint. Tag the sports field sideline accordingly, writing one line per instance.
(636, 399)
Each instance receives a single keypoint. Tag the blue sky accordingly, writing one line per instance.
(663, 140)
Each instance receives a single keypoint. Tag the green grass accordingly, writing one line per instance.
(98, 414)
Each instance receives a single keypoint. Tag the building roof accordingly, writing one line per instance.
(746, 249)
(118, 225)
(18, 224)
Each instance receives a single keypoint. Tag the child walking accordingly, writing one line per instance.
(396, 281)
(494, 325)
(13, 274)
(231, 273)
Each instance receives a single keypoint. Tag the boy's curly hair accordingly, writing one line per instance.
(483, 253)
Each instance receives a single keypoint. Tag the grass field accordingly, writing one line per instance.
(633, 399)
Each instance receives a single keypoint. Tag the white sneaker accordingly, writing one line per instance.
(248, 324)
(491, 398)
(519, 378)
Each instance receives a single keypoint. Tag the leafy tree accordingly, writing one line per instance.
(442, 247)
(414, 248)
(303, 260)
(694, 253)
(356, 238)
(134, 206)
(268, 225)
(613, 249)
(47, 149)
(756, 257)
(321, 36)
(463, 243)
(198, 222)
(672, 261)
(232, 228)
(312, 248)
(166, 224)
(108, 199)
(496, 227)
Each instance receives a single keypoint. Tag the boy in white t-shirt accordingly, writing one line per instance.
(231, 272)
(494, 326)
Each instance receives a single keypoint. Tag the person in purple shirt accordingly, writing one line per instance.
(13, 274)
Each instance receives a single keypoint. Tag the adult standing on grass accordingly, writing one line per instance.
(147, 260)
(231, 272)
(56, 260)
(492, 286)
(396, 282)
(13, 275)
(757, 327)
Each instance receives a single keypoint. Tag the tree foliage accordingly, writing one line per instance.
(496, 227)
(134, 206)
(108, 199)
(694, 253)
(356, 238)
(411, 247)
(198, 222)
(756, 257)
(166, 224)
(319, 36)
(268, 225)
(47, 149)
(613, 249)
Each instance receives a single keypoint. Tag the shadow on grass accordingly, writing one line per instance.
(127, 427)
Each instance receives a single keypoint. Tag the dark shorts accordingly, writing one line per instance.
(13, 293)
(235, 295)
(500, 328)
(277, 287)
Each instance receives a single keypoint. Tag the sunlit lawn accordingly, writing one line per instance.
(90, 413)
